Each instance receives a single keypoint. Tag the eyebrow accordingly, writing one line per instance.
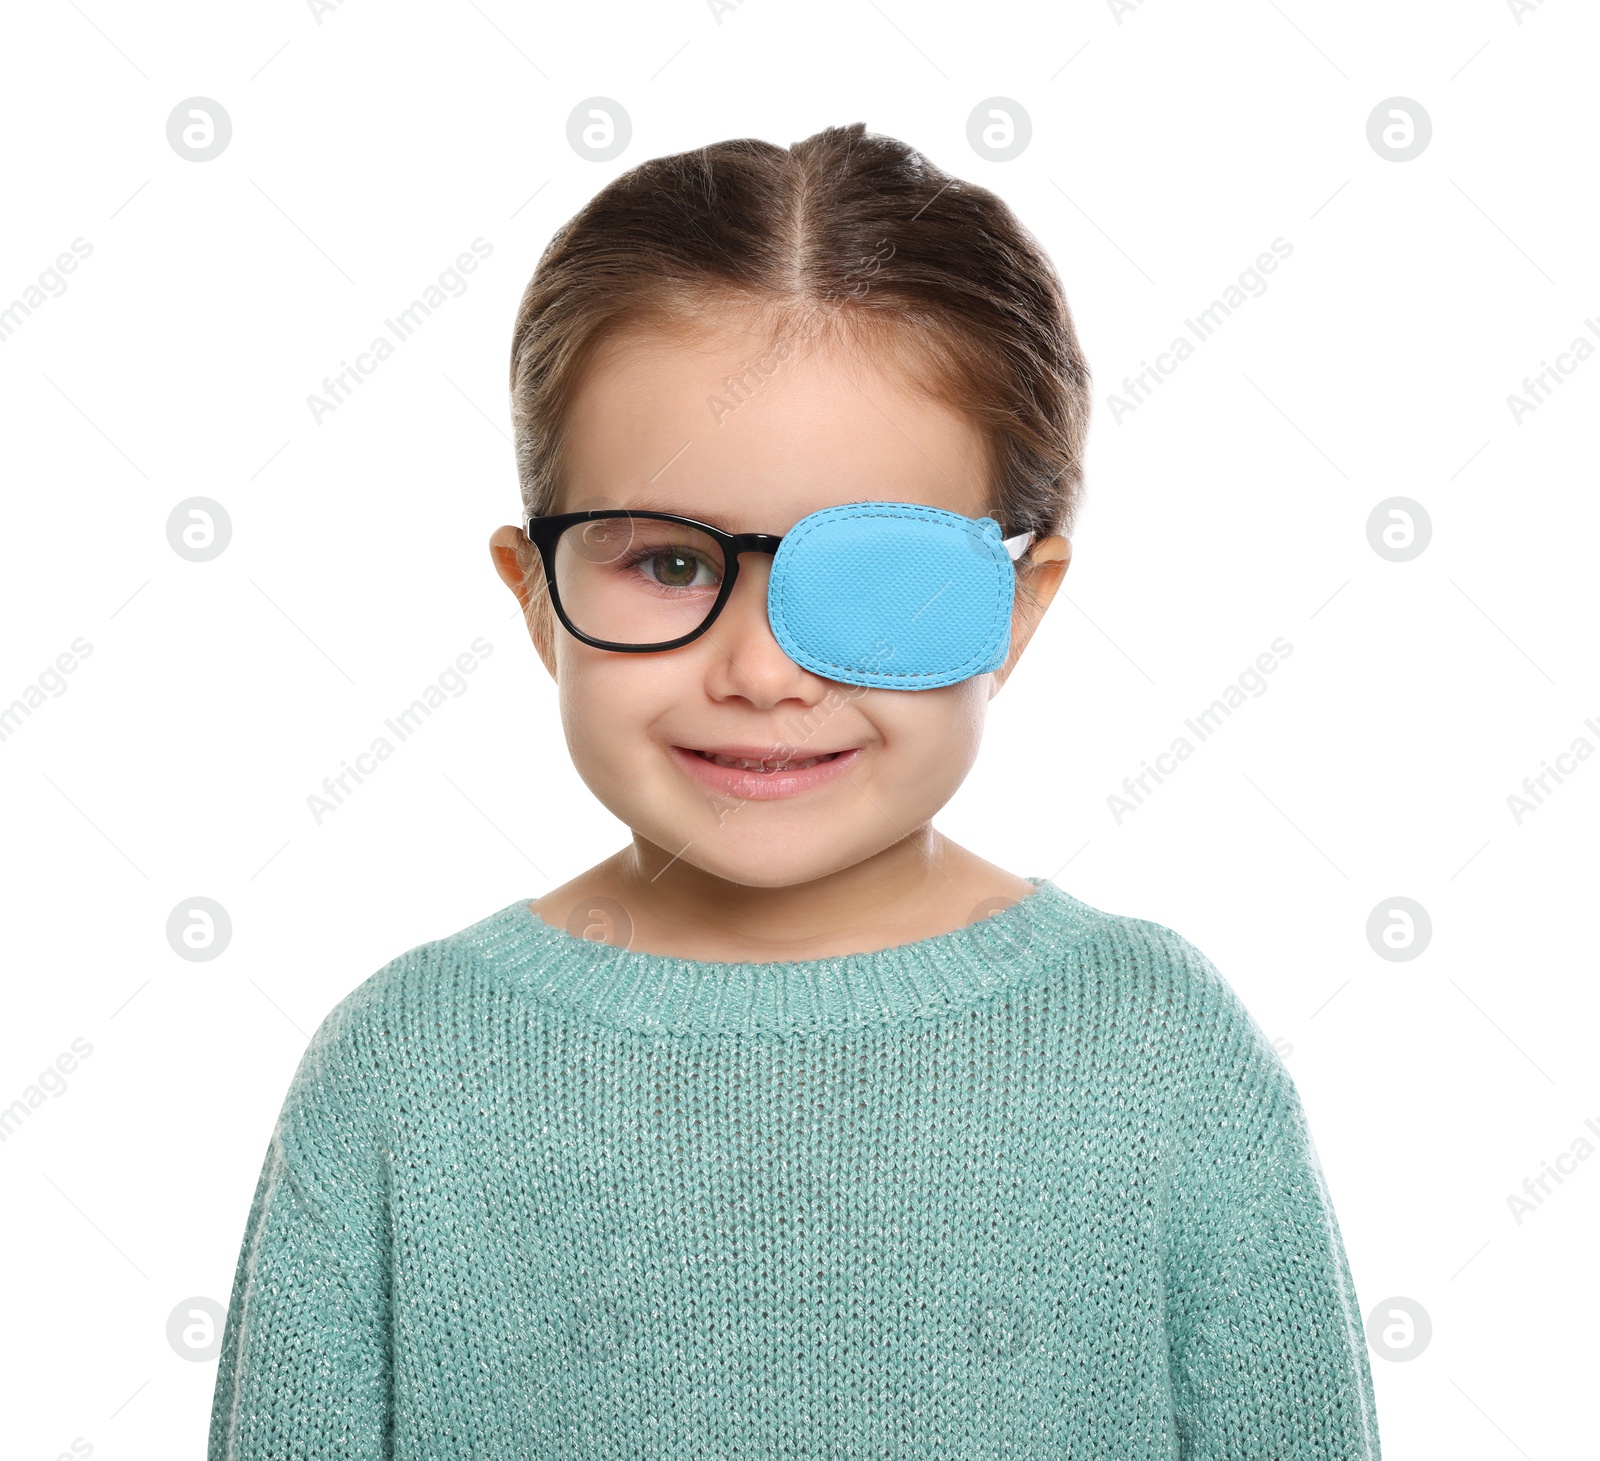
(715, 520)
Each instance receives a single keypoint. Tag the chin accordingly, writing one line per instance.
(758, 861)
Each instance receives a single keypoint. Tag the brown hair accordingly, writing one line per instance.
(847, 229)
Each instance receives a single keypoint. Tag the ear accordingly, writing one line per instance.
(1038, 578)
(517, 562)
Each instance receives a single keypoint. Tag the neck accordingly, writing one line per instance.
(918, 887)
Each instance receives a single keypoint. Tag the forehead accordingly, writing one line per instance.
(750, 428)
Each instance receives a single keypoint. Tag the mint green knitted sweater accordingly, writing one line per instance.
(1038, 1187)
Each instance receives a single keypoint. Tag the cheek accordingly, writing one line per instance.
(607, 701)
(931, 736)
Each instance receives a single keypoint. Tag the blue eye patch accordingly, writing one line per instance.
(893, 594)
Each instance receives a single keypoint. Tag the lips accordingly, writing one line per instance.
(755, 758)
(758, 773)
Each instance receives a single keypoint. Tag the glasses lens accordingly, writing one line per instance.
(637, 580)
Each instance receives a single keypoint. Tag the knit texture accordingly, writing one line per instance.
(1038, 1187)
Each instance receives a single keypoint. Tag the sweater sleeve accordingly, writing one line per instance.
(304, 1369)
(1268, 1351)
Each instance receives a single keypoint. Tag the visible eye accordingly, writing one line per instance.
(673, 568)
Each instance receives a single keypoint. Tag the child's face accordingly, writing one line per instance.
(655, 425)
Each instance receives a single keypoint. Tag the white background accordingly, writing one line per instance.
(1170, 146)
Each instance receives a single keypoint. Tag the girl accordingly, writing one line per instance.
(792, 1129)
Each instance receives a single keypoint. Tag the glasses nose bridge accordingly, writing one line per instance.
(740, 543)
(736, 546)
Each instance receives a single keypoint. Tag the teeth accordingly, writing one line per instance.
(739, 764)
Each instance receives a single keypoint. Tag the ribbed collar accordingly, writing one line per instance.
(663, 994)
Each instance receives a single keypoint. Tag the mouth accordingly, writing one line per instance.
(755, 773)
(740, 760)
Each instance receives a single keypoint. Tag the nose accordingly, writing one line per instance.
(749, 660)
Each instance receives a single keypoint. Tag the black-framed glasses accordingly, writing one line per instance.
(638, 581)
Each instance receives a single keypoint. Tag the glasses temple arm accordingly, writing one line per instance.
(1018, 545)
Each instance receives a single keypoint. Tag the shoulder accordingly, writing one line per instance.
(401, 1019)
(1156, 969)
(1161, 994)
